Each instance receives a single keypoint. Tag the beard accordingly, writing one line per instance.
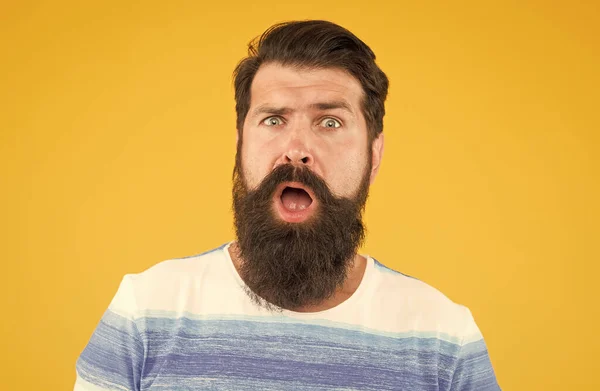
(291, 265)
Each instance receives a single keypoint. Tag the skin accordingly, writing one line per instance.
(310, 117)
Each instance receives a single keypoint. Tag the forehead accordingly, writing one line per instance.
(287, 85)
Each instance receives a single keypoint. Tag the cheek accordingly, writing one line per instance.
(346, 171)
(255, 161)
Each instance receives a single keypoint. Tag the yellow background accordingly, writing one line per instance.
(117, 144)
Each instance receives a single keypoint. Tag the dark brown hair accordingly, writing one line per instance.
(314, 44)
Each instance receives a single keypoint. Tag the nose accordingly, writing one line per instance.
(298, 156)
(297, 143)
(296, 153)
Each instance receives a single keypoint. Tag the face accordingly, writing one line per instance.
(300, 184)
(309, 117)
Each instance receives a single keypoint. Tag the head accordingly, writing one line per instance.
(310, 106)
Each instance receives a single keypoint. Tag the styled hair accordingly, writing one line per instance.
(314, 44)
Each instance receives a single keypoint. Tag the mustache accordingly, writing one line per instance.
(294, 173)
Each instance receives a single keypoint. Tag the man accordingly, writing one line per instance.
(291, 304)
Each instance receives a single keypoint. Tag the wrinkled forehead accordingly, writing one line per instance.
(278, 84)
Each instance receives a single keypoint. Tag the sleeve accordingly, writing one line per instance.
(473, 371)
(114, 356)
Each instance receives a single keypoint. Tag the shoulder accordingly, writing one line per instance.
(416, 305)
(185, 266)
(161, 285)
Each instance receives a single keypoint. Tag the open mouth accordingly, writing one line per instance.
(295, 199)
(294, 202)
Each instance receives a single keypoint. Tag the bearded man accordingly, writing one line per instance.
(291, 304)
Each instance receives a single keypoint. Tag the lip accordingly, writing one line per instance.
(298, 216)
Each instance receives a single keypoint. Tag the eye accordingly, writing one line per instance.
(330, 123)
(273, 121)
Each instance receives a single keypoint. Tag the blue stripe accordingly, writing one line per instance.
(188, 353)
(114, 355)
(157, 319)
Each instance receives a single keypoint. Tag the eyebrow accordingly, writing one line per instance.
(321, 106)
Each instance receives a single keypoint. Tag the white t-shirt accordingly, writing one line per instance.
(187, 324)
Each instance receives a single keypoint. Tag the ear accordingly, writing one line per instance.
(377, 152)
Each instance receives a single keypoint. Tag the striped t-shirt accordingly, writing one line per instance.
(188, 324)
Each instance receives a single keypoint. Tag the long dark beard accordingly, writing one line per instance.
(291, 265)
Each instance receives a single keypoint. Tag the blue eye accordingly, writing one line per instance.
(273, 121)
(330, 123)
